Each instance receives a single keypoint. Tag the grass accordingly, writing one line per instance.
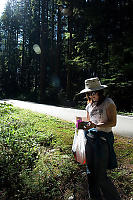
(36, 161)
(123, 175)
(126, 113)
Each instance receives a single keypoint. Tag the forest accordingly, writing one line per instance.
(77, 40)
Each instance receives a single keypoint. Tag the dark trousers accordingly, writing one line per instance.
(97, 155)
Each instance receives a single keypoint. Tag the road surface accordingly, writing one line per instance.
(124, 125)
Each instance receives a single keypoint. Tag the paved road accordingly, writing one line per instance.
(124, 125)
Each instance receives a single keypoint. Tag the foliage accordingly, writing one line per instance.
(36, 161)
(29, 143)
(123, 175)
(78, 39)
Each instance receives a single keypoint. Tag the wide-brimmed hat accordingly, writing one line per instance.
(92, 84)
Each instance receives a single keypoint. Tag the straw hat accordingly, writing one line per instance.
(92, 84)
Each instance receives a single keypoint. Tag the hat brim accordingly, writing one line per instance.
(94, 89)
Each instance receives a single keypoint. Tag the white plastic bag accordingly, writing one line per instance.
(78, 146)
(75, 141)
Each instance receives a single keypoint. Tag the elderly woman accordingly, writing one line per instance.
(100, 155)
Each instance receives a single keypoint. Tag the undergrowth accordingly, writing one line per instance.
(36, 161)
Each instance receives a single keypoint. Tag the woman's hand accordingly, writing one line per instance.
(90, 125)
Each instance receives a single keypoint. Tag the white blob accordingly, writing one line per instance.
(37, 49)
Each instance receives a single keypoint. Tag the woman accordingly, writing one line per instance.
(100, 155)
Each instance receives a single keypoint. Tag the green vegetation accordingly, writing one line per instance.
(79, 39)
(125, 113)
(36, 161)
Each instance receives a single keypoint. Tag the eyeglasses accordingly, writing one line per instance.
(92, 93)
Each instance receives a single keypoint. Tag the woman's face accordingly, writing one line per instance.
(94, 96)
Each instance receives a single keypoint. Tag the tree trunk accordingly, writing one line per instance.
(68, 87)
(58, 42)
(43, 44)
(52, 34)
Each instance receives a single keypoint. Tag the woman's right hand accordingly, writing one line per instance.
(89, 125)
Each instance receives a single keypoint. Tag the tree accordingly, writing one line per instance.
(78, 39)
(44, 48)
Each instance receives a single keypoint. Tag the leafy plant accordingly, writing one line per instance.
(36, 161)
